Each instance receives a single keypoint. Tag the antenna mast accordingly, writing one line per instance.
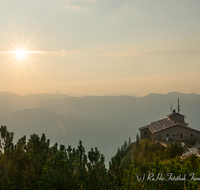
(178, 106)
(171, 108)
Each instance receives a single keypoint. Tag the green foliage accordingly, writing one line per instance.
(173, 150)
(154, 160)
(35, 165)
(116, 172)
(192, 185)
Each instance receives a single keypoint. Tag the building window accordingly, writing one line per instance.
(145, 133)
(173, 135)
(177, 134)
(167, 135)
(191, 135)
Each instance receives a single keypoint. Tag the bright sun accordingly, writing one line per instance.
(20, 54)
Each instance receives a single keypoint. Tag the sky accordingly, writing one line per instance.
(100, 47)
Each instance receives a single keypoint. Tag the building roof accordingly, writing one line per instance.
(141, 128)
(163, 124)
(174, 113)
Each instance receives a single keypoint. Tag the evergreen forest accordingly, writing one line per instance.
(32, 164)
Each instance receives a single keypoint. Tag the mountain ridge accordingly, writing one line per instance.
(101, 120)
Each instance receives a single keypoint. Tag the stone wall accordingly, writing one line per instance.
(177, 133)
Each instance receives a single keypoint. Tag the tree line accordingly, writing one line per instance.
(35, 165)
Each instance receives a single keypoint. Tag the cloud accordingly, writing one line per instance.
(76, 8)
(127, 53)
(73, 7)
(62, 52)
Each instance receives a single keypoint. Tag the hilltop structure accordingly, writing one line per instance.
(172, 128)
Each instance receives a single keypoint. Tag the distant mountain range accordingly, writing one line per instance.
(123, 94)
(99, 121)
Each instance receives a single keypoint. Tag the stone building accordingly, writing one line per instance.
(172, 128)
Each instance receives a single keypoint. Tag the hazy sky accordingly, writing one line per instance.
(100, 46)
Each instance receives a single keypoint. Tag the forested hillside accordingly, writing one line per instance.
(35, 165)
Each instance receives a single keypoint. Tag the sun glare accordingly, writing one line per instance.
(20, 54)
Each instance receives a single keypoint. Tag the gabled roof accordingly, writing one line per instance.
(166, 123)
(163, 124)
(141, 128)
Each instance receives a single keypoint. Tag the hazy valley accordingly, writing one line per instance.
(99, 121)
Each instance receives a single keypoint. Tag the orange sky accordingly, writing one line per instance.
(100, 47)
